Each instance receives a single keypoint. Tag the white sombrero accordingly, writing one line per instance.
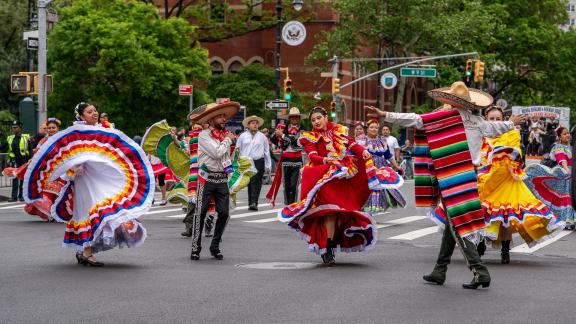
(247, 120)
(294, 112)
(460, 96)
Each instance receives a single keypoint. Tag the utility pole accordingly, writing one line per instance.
(42, 26)
(278, 46)
(335, 76)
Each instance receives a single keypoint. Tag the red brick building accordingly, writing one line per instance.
(229, 55)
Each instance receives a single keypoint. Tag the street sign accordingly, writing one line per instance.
(388, 80)
(293, 33)
(19, 83)
(277, 104)
(32, 43)
(185, 89)
(418, 72)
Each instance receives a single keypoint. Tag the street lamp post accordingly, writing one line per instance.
(42, 111)
(297, 5)
(278, 46)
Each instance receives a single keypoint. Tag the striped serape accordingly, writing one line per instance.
(444, 169)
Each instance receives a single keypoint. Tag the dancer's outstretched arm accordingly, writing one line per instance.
(401, 119)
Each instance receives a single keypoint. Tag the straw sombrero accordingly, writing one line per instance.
(204, 113)
(294, 112)
(247, 121)
(460, 96)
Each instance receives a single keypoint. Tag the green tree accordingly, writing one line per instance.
(124, 58)
(531, 57)
(402, 28)
(250, 86)
(13, 15)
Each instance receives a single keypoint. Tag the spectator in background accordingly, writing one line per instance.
(19, 152)
(104, 121)
(392, 143)
(35, 140)
(407, 153)
(360, 133)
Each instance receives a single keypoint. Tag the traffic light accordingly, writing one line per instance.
(478, 71)
(469, 71)
(19, 83)
(287, 89)
(335, 85)
(333, 109)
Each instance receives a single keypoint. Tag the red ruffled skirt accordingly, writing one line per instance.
(333, 191)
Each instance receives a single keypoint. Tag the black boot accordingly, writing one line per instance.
(481, 278)
(505, 252)
(481, 248)
(188, 231)
(438, 275)
(195, 255)
(328, 257)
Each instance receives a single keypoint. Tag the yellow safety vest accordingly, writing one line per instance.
(24, 138)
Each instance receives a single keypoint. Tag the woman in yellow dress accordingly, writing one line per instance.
(508, 204)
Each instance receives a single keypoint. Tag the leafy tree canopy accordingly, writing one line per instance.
(13, 15)
(250, 86)
(121, 56)
(528, 56)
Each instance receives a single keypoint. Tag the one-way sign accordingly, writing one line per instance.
(277, 104)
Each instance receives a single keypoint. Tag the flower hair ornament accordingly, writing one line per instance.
(53, 120)
(318, 109)
(77, 111)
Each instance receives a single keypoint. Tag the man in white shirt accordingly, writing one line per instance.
(214, 163)
(253, 144)
(392, 142)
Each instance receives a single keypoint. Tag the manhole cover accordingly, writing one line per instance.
(279, 265)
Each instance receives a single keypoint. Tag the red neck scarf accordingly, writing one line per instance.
(293, 129)
(218, 134)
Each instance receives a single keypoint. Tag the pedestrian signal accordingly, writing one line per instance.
(19, 83)
(287, 89)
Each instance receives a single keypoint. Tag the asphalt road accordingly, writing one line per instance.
(40, 282)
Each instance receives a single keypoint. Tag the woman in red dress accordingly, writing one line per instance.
(334, 189)
(41, 208)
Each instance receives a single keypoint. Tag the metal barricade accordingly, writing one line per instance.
(4, 182)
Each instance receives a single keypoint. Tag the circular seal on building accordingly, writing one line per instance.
(293, 33)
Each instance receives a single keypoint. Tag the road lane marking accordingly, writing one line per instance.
(523, 248)
(164, 211)
(415, 234)
(263, 220)
(398, 221)
(264, 212)
(13, 207)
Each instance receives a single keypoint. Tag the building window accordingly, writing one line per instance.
(217, 68)
(572, 7)
(234, 67)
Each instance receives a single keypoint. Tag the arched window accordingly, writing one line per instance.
(217, 67)
(234, 67)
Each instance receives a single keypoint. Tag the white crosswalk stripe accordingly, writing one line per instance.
(407, 228)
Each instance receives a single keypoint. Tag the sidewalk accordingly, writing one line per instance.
(5, 193)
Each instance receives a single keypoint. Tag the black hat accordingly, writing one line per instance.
(17, 123)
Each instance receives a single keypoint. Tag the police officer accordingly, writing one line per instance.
(19, 152)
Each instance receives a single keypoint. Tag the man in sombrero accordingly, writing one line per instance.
(254, 144)
(290, 163)
(447, 150)
(214, 162)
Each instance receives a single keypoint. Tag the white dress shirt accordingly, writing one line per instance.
(475, 126)
(213, 153)
(255, 146)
